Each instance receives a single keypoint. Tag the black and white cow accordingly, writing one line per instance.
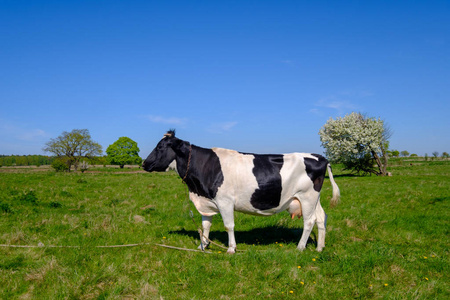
(223, 181)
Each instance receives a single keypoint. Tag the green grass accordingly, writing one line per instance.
(388, 238)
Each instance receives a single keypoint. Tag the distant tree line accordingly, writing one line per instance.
(40, 160)
(25, 160)
(404, 153)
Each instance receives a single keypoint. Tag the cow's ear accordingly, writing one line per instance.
(176, 144)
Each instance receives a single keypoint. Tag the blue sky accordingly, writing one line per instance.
(255, 76)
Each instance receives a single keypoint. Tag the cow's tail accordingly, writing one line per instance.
(336, 193)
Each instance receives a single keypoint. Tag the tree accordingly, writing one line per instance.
(435, 154)
(404, 153)
(357, 141)
(124, 151)
(73, 146)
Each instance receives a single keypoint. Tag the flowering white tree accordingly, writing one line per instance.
(357, 141)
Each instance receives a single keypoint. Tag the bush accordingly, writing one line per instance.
(59, 165)
(29, 197)
(84, 166)
(55, 204)
(5, 207)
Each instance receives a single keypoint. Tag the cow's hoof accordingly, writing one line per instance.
(205, 246)
(231, 250)
(319, 249)
(300, 248)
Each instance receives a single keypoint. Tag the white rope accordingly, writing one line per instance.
(184, 249)
(41, 245)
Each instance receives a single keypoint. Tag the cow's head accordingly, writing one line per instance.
(163, 154)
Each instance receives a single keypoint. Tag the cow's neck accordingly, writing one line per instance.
(202, 172)
(188, 167)
(184, 155)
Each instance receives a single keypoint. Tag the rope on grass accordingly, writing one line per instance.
(41, 245)
(184, 249)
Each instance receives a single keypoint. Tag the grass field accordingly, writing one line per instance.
(388, 238)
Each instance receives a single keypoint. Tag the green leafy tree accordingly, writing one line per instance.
(124, 151)
(404, 153)
(357, 141)
(73, 146)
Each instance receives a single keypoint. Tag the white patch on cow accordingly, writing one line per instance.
(239, 182)
(296, 184)
(293, 175)
(205, 206)
(172, 166)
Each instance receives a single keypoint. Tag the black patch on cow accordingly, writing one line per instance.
(204, 176)
(316, 170)
(267, 172)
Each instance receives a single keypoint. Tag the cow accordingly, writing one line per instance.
(223, 181)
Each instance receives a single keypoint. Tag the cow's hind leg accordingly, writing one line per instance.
(227, 212)
(206, 226)
(321, 220)
(308, 203)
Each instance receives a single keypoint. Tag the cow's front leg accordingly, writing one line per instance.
(206, 226)
(227, 212)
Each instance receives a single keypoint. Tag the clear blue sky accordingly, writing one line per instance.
(255, 76)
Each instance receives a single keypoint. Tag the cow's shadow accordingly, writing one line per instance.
(257, 236)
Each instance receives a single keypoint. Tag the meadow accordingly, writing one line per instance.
(388, 238)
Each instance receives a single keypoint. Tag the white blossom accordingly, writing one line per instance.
(352, 137)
